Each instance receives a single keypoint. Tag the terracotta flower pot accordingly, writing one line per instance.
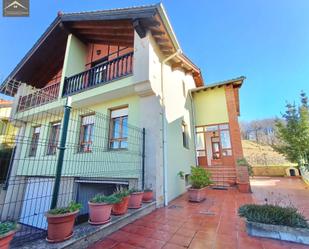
(121, 207)
(135, 201)
(243, 187)
(147, 196)
(60, 226)
(5, 239)
(197, 195)
(99, 213)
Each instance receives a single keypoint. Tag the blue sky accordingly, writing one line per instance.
(266, 41)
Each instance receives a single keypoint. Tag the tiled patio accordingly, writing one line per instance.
(212, 224)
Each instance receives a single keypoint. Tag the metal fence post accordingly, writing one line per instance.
(66, 117)
(143, 160)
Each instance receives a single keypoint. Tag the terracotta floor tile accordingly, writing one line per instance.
(119, 236)
(172, 246)
(212, 224)
(201, 244)
(186, 232)
(125, 246)
(181, 240)
(152, 244)
(161, 235)
(104, 244)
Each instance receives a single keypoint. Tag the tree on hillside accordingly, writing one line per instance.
(293, 133)
(260, 131)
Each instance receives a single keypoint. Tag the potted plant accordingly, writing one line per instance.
(243, 170)
(148, 195)
(100, 208)
(121, 207)
(181, 174)
(136, 197)
(7, 231)
(61, 222)
(199, 179)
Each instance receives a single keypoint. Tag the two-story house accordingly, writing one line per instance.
(123, 70)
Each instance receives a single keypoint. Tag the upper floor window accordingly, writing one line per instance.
(53, 138)
(34, 141)
(185, 135)
(86, 133)
(118, 138)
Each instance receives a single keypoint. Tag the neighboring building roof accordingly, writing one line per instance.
(5, 103)
(50, 48)
(236, 82)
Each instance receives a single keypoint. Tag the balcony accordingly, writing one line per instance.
(38, 98)
(99, 75)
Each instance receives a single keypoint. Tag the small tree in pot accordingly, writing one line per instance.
(199, 179)
(136, 197)
(121, 207)
(7, 231)
(244, 169)
(100, 208)
(61, 222)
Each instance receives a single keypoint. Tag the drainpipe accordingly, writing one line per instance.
(193, 126)
(164, 125)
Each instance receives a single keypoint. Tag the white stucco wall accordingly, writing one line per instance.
(177, 110)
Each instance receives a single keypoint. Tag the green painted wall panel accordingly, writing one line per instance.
(210, 107)
(101, 162)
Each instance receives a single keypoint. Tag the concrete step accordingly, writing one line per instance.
(85, 235)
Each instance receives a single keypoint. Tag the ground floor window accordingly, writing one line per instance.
(86, 133)
(118, 135)
(185, 135)
(34, 140)
(53, 138)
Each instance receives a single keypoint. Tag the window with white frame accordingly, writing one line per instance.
(86, 133)
(118, 138)
(34, 140)
(185, 135)
(53, 138)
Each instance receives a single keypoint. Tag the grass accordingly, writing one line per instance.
(273, 214)
(261, 155)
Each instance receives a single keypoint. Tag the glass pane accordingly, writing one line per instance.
(125, 127)
(199, 129)
(124, 144)
(114, 145)
(224, 127)
(200, 143)
(225, 139)
(116, 128)
(212, 128)
(201, 153)
(227, 152)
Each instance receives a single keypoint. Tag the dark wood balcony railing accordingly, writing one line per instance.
(39, 97)
(100, 74)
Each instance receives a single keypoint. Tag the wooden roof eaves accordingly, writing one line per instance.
(42, 38)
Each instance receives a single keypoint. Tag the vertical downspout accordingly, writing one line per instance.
(164, 126)
(193, 126)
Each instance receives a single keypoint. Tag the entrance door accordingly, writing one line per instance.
(215, 146)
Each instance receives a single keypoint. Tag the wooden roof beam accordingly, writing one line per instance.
(110, 42)
(139, 28)
(105, 32)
